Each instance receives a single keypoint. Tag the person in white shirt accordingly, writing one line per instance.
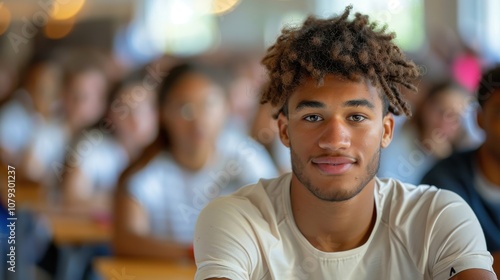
(193, 160)
(336, 83)
(84, 94)
(98, 157)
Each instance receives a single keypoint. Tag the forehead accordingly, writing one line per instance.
(192, 87)
(336, 89)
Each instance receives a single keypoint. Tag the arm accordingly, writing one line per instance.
(132, 229)
(76, 186)
(32, 167)
(474, 274)
(225, 243)
(496, 262)
(456, 243)
(78, 193)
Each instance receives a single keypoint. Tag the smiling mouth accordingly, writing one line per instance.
(334, 165)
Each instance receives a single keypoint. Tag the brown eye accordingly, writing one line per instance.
(313, 118)
(357, 118)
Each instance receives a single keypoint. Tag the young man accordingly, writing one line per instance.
(335, 82)
(474, 174)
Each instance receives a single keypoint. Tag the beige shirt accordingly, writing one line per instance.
(420, 233)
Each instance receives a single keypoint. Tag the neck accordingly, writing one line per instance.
(333, 226)
(130, 147)
(192, 159)
(489, 165)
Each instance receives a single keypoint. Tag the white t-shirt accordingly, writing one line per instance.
(420, 233)
(17, 125)
(173, 196)
(104, 163)
(49, 146)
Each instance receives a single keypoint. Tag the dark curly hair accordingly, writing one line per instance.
(353, 49)
(490, 82)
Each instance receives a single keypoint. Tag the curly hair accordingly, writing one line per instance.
(352, 49)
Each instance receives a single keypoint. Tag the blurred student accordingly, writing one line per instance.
(265, 131)
(107, 148)
(475, 175)
(428, 136)
(193, 160)
(29, 106)
(84, 88)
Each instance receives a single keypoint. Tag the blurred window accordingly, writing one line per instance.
(478, 23)
(404, 17)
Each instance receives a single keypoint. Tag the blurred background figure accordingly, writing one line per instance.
(245, 83)
(31, 105)
(474, 174)
(428, 136)
(90, 177)
(83, 99)
(194, 159)
(265, 130)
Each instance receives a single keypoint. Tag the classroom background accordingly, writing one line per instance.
(105, 166)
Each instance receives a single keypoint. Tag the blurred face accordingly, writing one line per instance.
(134, 115)
(489, 121)
(335, 133)
(443, 113)
(44, 88)
(194, 113)
(86, 98)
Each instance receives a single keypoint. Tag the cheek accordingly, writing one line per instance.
(369, 139)
(215, 119)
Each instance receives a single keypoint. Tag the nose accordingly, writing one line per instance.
(335, 136)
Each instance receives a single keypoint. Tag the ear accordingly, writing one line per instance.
(480, 118)
(388, 130)
(283, 129)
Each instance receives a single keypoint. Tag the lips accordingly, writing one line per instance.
(333, 165)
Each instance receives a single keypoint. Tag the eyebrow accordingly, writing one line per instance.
(359, 103)
(309, 104)
(350, 103)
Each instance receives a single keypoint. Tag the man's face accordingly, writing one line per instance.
(335, 133)
(489, 121)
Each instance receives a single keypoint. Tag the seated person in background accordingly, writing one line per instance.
(29, 106)
(427, 137)
(192, 161)
(84, 89)
(336, 82)
(98, 157)
(475, 175)
(265, 131)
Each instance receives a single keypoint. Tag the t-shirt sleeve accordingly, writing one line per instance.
(456, 241)
(224, 242)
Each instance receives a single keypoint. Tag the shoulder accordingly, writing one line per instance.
(405, 204)
(454, 173)
(460, 160)
(241, 152)
(436, 227)
(236, 144)
(158, 167)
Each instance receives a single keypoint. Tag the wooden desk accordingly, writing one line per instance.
(78, 230)
(28, 193)
(138, 269)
